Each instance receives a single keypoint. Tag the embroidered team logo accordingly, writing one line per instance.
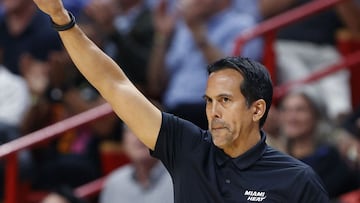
(255, 196)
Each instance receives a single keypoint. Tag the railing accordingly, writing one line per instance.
(269, 27)
(346, 62)
(273, 24)
(9, 150)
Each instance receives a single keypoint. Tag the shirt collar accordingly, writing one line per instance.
(245, 160)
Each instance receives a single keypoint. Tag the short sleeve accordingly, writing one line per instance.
(177, 141)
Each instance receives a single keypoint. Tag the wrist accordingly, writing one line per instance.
(61, 17)
(62, 23)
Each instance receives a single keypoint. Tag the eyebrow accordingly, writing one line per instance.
(217, 96)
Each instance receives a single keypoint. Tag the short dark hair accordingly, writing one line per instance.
(257, 82)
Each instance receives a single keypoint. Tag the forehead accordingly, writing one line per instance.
(226, 81)
(296, 100)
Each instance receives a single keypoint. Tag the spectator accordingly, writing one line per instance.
(272, 129)
(128, 29)
(14, 96)
(15, 100)
(145, 179)
(60, 92)
(308, 46)
(183, 47)
(302, 124)
(347, 138)
(25, 29)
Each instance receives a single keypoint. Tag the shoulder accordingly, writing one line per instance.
(179, 138)
(288, 166)
(302, 180)
(280, 159)
(178, 125)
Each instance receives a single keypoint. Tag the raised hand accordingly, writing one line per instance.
(193, 14)
(55, 9)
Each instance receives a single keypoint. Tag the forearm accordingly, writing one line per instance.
(157, 75)
(90, 60)
(106, 76)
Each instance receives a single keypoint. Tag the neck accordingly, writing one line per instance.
(143, 171)
(301, 147)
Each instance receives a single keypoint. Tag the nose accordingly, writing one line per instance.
(213, 110)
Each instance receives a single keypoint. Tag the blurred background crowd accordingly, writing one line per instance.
(164, 47)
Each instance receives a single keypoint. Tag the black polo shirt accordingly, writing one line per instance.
(203, 173)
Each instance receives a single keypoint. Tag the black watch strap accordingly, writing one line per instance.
(67, 26)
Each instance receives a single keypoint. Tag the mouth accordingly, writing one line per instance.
(218, 128)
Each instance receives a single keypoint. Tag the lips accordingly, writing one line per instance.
(217, 128)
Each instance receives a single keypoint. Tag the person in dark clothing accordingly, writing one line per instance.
(306, 131)
(230, 162)
(24, 29)
(128, 32)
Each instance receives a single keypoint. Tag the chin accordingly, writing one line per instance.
(218, 143)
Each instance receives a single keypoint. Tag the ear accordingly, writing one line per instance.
(259, 108)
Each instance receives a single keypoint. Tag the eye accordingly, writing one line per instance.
(225, 100)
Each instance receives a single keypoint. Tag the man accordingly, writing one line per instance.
(145, 179)
(128, 31)
(229, 163)
(23, 30)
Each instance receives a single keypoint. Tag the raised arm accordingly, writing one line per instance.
(106, 76)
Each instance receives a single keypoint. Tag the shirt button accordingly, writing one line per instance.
(227, 181)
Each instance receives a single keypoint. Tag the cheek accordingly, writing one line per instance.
(236, 120)
(297, 126)
(305, 119)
